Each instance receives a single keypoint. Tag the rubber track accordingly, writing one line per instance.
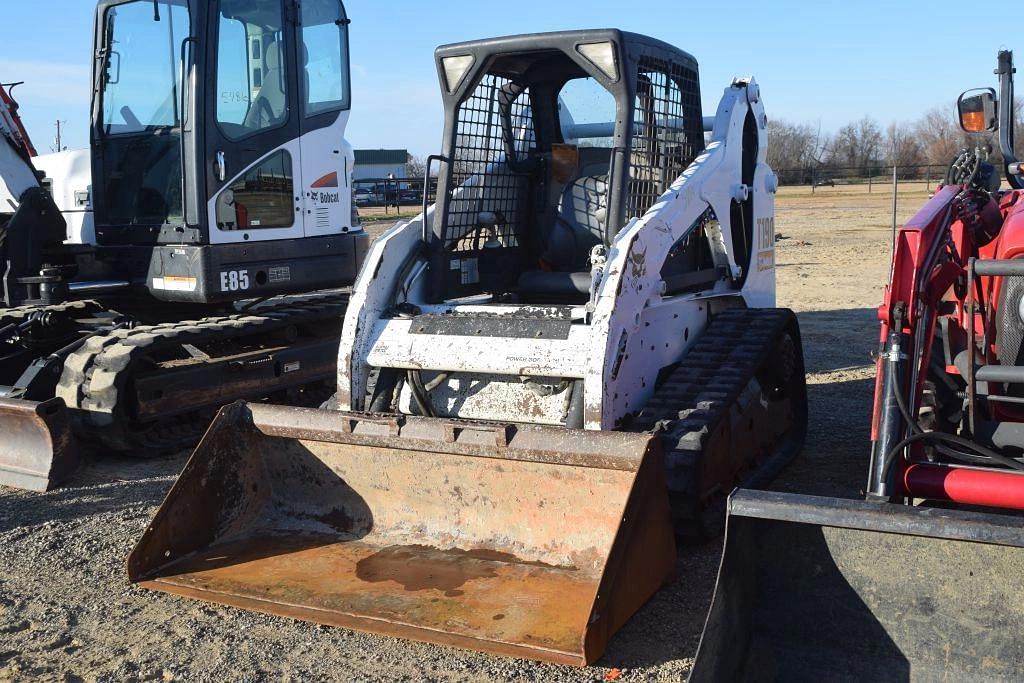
(698, 394)
(95, 377)
(21, 313)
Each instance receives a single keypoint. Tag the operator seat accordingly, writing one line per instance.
(578, 226)
(270, 107)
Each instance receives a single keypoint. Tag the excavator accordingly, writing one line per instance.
(921, 579)
(561, 366)
(194, 255)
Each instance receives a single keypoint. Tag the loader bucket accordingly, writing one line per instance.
(37, 449)
(526, 541)
(824, 589)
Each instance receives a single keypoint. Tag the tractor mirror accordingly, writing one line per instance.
(978, 111)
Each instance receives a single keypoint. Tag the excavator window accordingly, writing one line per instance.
(260, 199)
(139, 139)
(252, 83)
(141, 81)
(324, 38)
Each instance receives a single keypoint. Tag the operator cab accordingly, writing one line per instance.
(552, 144)
(218, 123)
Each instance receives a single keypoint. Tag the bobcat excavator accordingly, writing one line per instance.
(574, 350)
(922, 580)
(191, 257)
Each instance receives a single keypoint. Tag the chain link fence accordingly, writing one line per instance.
(834, 176)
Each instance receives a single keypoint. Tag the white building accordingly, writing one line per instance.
(380, 163)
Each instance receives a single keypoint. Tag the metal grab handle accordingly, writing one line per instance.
(427, 228)
(220, 164)
(182, 104)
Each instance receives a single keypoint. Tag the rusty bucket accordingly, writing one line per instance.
(526, 541)
(37, 448)
(821, 589)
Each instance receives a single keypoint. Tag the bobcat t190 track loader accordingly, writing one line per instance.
(585, 313)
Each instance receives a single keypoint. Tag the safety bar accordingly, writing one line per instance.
(606, 130)
(999, 267)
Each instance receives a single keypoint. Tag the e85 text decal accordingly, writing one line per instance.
(234, 280)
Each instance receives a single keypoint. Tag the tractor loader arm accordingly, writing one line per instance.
(921, 579)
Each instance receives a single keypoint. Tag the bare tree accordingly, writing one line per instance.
(858, 145)
(903, 149)
(793, 149)
(939, 135)
(415, 167)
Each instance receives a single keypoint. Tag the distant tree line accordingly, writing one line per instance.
(800, 152)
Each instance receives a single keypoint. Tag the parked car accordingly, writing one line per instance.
(410, 197)
(363, 197)
(825, 182)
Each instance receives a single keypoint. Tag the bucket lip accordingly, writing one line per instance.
(612, 450)
(950, 524)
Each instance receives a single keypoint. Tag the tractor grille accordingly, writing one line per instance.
(477, 160)
(1009, 326)
(668, 131)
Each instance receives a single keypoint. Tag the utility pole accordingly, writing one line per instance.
(59, 140)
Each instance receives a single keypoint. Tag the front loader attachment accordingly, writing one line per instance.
(825, 589)
(525, 541)
(37, 448)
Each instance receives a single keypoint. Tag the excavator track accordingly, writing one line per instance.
(20, 314)
(707, 413)
(97, 379)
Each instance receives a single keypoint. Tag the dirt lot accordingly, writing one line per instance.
(68, 613)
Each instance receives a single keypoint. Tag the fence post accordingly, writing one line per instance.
(895, 204)
(814, 179)
(870, 184)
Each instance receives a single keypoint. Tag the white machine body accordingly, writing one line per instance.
(617, 342)
(68, 176)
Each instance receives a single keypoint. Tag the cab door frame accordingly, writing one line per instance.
(329, 159)
(240, 156)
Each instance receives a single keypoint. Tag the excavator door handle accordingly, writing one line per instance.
(220, 166)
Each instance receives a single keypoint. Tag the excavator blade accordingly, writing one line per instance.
(526, 541)
(37, 449)
(826, 589)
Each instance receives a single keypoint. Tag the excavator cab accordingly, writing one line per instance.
(218, 160)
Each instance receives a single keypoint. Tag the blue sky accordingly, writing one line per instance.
(827, 61)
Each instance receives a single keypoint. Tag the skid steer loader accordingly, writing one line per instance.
(585, 314)
(922, 580)
(192, 256)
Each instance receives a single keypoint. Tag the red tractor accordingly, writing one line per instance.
(923, 579)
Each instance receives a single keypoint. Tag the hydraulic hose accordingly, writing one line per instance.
(419, 393)
(921, 435)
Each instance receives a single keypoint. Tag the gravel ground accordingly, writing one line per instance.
(67, 612)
